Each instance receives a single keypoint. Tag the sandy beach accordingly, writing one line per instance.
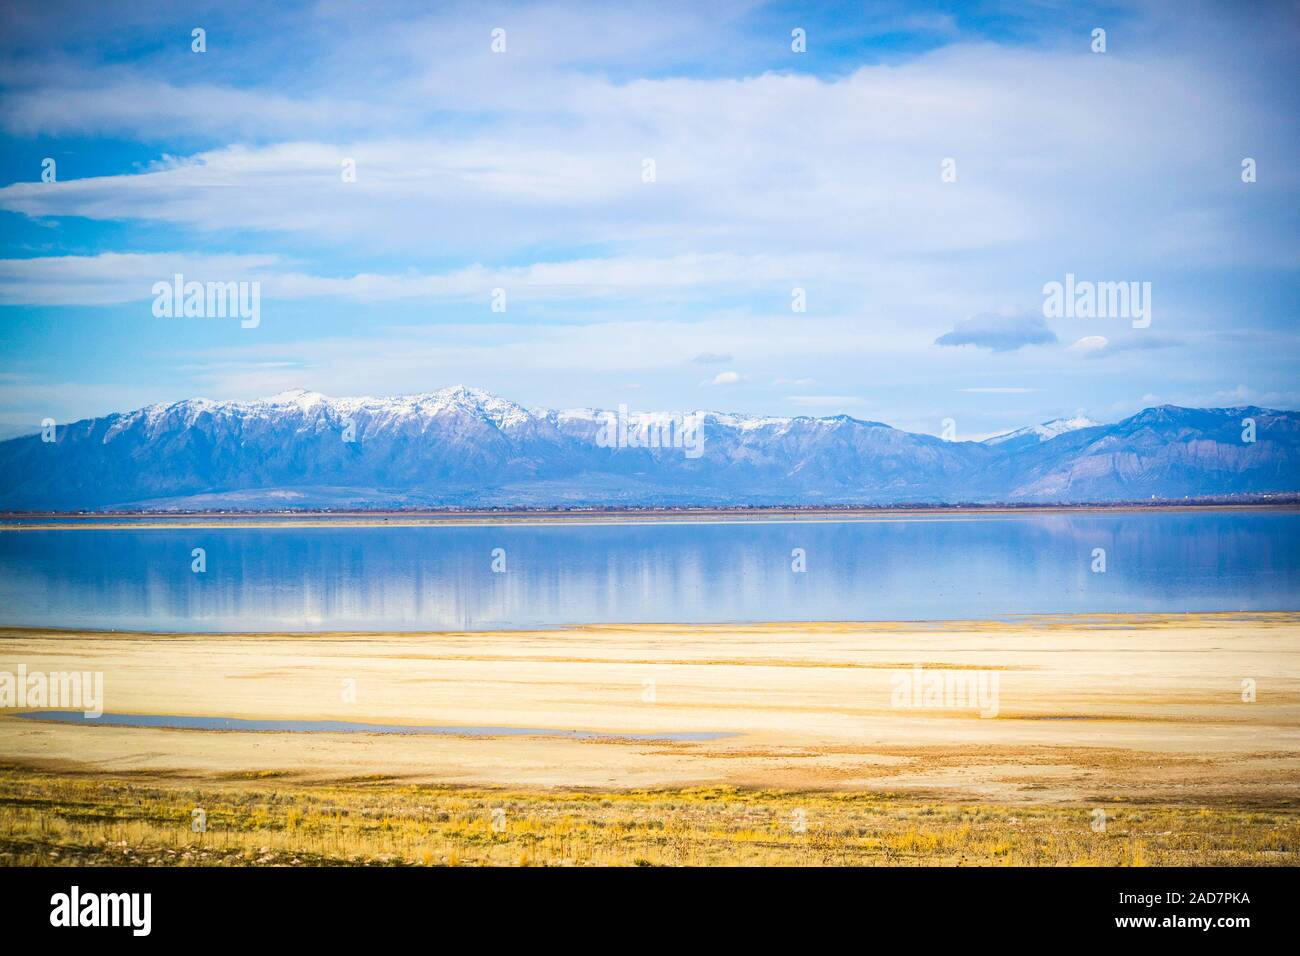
(1088, 707)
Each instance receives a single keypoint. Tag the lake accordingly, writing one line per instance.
(929, 567)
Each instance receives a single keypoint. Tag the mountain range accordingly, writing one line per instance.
(463, 447)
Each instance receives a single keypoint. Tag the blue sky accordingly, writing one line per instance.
(774, 170)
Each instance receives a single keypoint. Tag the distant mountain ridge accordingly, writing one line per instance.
(465, 447)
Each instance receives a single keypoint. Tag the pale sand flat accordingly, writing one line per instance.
(1106, 706)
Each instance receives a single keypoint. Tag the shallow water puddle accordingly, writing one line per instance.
(170, 722)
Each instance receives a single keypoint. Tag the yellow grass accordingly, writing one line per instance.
(92, 820)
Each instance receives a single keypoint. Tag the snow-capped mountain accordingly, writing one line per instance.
(1033, 434)
(466, 447)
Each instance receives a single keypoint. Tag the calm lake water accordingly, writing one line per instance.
(441, 578)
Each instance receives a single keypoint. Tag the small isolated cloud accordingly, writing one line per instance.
(724, 378)
(794, 381)
(1090, 345)
(999, 333)
(711, 358)
(1098, 346)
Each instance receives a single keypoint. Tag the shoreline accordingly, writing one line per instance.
(1139, 717)
(1011, 622)
(1156, 698)
(117, 520)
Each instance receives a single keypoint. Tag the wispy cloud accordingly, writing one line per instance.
(1099, 346)
(999, 333)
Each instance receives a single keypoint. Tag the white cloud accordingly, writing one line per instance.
(848, 165)
(125, 277)
(724, 378)
(112, 277)
(1089, 345)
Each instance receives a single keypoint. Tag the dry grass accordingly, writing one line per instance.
(72, 819)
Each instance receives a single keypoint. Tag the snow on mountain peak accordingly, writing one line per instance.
(1060, 426)
(301, 397)
(1046, 431)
